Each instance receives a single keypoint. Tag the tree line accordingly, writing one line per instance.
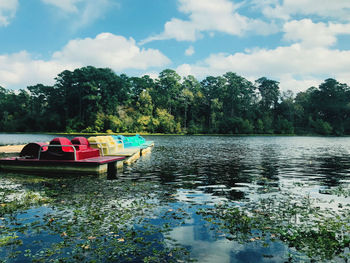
(93, 99)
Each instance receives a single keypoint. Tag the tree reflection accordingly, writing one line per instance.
(333, 169)
(269, 167)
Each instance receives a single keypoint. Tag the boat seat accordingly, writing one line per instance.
(122, 139)
(83, 149)
(80, 143)
(99, 143)
(114, 145)
(106, 144)
(60, 148)
(31, 150)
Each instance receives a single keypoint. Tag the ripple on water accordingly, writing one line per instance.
(197, 172)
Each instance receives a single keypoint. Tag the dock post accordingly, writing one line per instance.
(112, 171)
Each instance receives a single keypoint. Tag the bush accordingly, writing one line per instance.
(166, 121)
(193, 128)
(322, 127)
(284, 126)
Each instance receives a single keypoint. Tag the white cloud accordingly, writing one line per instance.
(206, 251)
(81, 12)
(8, 10)
(337, 9)
(291, 65)
(289, 82)
(110, 50)
(21, 70)
(189, 51)
(69, 6)
(153, 75)
(106, 50)
(314, 34)
(209, 16)
(92, 11)
(177, 29)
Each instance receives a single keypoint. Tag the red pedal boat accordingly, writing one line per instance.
(62, 156)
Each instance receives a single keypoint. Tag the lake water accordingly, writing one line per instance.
(181, 178)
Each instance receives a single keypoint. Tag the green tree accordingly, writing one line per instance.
(331, 101)
(211, 88)
(89, 91)
(166, 90)
(3, 101)
(139, 85)
(166, 121)
(237, 95)
(304, 111)
(190, 99)
(144, 103)
(322, 127)
(269, 92)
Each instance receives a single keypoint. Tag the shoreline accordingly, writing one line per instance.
(177, 134)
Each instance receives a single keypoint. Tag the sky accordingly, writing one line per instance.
(299, 43)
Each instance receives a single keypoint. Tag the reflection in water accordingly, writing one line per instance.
(207, 170)
(333, 169)
(231, 167)
(269, 163)
(188, 173)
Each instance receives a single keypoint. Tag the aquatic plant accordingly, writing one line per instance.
(321, 234)
(87, 219)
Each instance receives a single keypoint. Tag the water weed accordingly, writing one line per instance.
(320, 234)
(86, 219)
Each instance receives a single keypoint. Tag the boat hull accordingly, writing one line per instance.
(96, 166)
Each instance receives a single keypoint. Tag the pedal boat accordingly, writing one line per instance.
(133, 141)
(62, 156)
(109, 146)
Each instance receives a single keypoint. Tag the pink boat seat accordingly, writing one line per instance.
(83, 148)
(63, 151)
(61, 148)
(80, 143)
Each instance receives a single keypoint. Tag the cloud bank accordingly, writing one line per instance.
(294, 66)
(210, 16)
(105, 50)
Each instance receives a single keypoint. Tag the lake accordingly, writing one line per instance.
(193, 198)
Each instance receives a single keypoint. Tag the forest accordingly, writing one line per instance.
(93, 99)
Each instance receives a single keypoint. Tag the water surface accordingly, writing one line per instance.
(186, 174)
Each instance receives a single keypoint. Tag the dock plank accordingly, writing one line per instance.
(11, 148)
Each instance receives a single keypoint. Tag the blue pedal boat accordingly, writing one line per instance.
(133, 141)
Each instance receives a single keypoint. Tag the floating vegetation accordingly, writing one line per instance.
(85, 219)
(341, 191)
(321, 234)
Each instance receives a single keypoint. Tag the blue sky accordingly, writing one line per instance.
(297, 42)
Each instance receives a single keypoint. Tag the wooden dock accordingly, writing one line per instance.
(131, 155)
(134, 153)
(94, 165)
(10, 150)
